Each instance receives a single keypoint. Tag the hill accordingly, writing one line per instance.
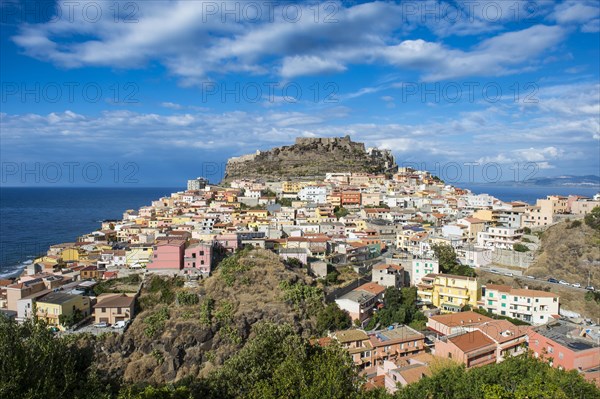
(310, 158)
(187, 332)
(569, 251)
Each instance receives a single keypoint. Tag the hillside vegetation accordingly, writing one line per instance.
(569, 251)
(188, 332)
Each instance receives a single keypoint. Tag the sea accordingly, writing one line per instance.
(527, 193)
(32, 219)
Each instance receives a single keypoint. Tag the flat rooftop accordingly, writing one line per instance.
(567, 336)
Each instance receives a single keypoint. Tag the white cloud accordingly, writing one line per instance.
(194, 43)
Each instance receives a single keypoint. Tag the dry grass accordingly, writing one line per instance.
(569, 254)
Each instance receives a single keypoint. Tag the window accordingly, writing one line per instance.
(201, 253)
(503, 305)
(491, 295)
(503, 296)
(516, 299)
(550, 349)
(103, 310)
(503, 313)
(490, 303)
(560, 355)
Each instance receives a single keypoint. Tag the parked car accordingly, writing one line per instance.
(531, 277)
(101, 325)
(563, 282)
(494, 271)
(576, 285)
(590, 288)
(552, 280)
(121, 324)
(508, 274)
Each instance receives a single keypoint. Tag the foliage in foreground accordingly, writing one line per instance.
(522, 377)
(275, 363)
(34, 364)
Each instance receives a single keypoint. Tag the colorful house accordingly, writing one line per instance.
(168, 254)
(50, 307)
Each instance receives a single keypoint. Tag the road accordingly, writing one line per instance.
(517, 275)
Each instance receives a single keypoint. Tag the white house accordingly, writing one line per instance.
(423, 267)
(532, 306)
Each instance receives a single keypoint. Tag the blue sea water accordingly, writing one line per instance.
(32, 219)
(528, 194)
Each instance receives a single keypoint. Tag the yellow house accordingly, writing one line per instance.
(46, 259)
(70, 255)
(181, 219)
(361, 225)
(450, 293)
(258, 213)
(50, 307)
(138, 256)
(484, 214)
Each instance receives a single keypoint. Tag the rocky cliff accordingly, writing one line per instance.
(311, 158)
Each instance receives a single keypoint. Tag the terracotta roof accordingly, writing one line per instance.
(468, 318)
(502, 330)
(520, 291)
(474, 220)
(386, 266)
(372, 288)
(471, 341)
(375, 382)
(114, 301)
(414, 373)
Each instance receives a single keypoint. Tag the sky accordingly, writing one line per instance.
(151, 93)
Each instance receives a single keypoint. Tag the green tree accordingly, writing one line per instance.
(592, 219)
(292, 369)
(69, 320)
(332, 318)
(448, 261)
(36, 364)
(340, 211)
(520, 247)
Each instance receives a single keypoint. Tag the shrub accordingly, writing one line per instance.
(185, 298)
(520, 247)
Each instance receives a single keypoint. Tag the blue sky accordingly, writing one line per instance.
(153, 93)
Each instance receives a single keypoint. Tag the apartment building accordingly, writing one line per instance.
(532, 306)
(168, 254)
(448, 292)
(422, 267)
(388, 275)
(499, 237)
(375, 347)
(567, 346)
(359, 302)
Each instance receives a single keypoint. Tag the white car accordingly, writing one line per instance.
(508, 274)
(563, 282)
(494, 271)
(531, 277)
(101, 325)
(121, 324)
(576, 285)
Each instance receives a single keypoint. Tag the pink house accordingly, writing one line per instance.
(229, 241)
(566, 346)
(198, 258)
(168, 254)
